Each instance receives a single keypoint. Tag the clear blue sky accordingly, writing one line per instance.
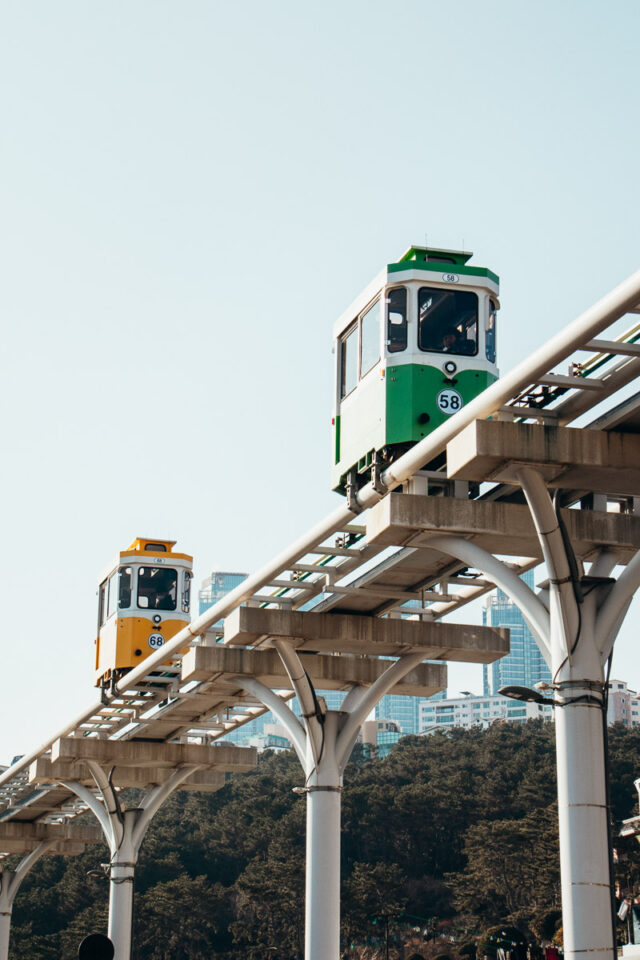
(192, 193)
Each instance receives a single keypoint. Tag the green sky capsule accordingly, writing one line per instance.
(413, 348)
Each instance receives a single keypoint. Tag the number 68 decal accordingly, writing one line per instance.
(449, 401)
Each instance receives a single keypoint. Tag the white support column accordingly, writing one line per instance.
(323, 740)
(10, 881)
(6, 906)
(582, 801)
(122, 870)
(322, 873)
(578, 674)
(124, 831)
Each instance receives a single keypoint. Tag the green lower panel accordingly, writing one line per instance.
(412, 394)
(402, 407)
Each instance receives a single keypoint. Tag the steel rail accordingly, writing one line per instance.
(589, 324)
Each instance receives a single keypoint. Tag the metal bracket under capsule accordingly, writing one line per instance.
(377, 483)
(352, 492)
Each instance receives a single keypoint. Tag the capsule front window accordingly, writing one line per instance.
(448, 321)
(157, 588)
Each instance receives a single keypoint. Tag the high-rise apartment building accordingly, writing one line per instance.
(470, 711)
(624, 704)
(524, 666)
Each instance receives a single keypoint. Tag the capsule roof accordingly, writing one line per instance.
(145, 546)
(436, 255)
(151, 545)
(432, 258)
(445, 266)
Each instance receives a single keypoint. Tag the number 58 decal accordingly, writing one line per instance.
(449, 401)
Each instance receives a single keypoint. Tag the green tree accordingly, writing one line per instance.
(177, 920)
(512, 868)
(269, 902)
(372, 893)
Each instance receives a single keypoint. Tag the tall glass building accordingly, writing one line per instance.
(216, 586)
(404, 710)
(524, 665)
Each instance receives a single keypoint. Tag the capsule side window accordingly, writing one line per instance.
(369, 338)
(490, 333)
(103, 592)
(448, 321)
(112, 600)
(396, 320)
(124, 592)
(109, 597)
(349, 360)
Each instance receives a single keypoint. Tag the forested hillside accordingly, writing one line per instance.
(449, 834)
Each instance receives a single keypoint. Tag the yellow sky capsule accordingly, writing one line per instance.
(143, 601)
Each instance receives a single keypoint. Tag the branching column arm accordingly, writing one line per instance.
(304, 692)
(353, 698)
(15, 878)
(279, 709)
(111, 801)
(605, 642)
(612, 611)
(533, 609)
(97, 808)
(553, 548)
(154, 800)
(603, 564)
(360, 712)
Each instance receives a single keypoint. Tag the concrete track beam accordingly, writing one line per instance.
(597, 460)
(141, 753)
(324, 672)
(63, 848)
(410, 520)
(44, 771)
(21, 836)
(344, 633)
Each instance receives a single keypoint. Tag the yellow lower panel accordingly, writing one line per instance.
(124, 642)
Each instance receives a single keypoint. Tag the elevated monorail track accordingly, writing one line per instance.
(582, 377)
